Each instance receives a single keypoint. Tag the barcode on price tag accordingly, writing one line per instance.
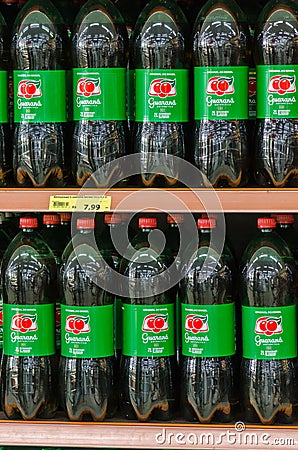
(72, 203)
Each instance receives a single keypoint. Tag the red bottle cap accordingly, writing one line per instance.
(65, 217)
(285, 218)
(84, 223)
(51, 219)
(175, 218)
(266, 222)
(147, 222)
(112, 218)
(28, 222)
(206, 223)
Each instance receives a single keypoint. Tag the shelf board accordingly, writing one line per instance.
(149, 435)
(152, 200)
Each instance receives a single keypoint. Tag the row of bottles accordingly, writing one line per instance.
(79, 126)
(255, 374)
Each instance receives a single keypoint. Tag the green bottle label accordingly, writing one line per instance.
(221, 93)
(130, 95)
(269, 333)
(99, 94)
(3, 97)
(154, 330)
(252, 94)
(161, 95)
(39, 96)
(87, 331)
(276, 92)
(29, 330)
(58, 326)
(208, 330)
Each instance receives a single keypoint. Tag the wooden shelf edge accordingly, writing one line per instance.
(137, 435)
(158, 200)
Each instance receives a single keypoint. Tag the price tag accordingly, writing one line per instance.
(72, 203)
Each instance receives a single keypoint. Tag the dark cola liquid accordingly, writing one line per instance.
(87, 385)
(39, 148)
(29, 383)
(276, 149)
(99, 41)
(221, 146)
(207, 385)
(160, 42)
(268, 387)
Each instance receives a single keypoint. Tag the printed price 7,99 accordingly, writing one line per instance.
(91, 207)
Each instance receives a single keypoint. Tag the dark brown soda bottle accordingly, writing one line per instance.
(268, 377)
(100, 53)
(207, 330)
(221, 49)
(40, 58)
(148, 367)
(29, 366)
(87, 363)
(160, 58)
(276, 56)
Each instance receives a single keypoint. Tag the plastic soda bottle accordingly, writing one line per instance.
(100, 53)
(39, 55)
(207, 312)
(160, 58)
(29, 366)
(276, 56)
(221, 47)
(268, 292)
(148, 368)
(87, 362)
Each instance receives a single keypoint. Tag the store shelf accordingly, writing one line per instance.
(137, 435)
(179, 200)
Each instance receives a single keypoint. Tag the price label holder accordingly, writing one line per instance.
(72, 203)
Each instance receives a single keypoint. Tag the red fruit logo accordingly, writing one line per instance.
(252, 87)
(24, 322)
(163, 87)
(155, 323)
(58, 317)
(282, 84)
(77, 324)
(196, 323)
(220, 85)
(29, 89)
(88, 87)
(268, 325)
